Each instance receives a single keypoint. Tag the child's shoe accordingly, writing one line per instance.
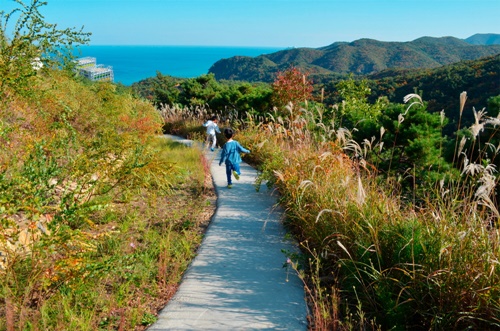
(212, 149)
(236, 175)
(230, 186)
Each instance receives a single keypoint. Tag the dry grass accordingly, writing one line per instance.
(99, 217)
(374, 260)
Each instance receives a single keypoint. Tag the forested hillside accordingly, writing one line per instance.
(480, 78)
(360, 57)
(484, 39)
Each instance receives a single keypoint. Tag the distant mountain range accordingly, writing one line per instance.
(484, 39)
(360, 57)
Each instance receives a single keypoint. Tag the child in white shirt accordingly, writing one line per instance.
(212, 128)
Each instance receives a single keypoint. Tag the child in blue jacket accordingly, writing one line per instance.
(231, 154)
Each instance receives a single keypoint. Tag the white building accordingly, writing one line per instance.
(88, 67)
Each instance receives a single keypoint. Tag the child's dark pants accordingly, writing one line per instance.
(229, 171)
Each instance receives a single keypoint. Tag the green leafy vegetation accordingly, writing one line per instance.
(34, 43)
(205, 91)
(99, 216)
(479, 78)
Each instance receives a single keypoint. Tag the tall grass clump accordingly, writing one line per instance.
(388, 261)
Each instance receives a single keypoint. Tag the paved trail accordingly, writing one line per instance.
(237, 280)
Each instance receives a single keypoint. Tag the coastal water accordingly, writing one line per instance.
(134, 63)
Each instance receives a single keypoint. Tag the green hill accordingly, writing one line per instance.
(484, 39)
(360, 57)
(442, 86)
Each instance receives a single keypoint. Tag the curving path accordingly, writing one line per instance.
(237, 280)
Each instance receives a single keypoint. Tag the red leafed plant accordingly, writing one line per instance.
(291, 86)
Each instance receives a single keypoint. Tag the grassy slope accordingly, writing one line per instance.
(99, 217)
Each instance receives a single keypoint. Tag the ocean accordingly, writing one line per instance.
(134, 63)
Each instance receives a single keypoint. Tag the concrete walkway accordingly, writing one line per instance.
(237, 280)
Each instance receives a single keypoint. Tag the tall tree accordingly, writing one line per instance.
(28, 43)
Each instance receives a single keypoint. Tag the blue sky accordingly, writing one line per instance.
(281, 23)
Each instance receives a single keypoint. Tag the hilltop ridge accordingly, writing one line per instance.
(360, 57)
(484, 39)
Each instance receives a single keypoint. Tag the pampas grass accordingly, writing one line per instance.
(395, 264)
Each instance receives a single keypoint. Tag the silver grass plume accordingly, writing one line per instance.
(305, 184)
(381, 146)
(323, 156)
(314, 170)
(462, 145)
(493, 120)
(410, 96)
(463, 98)
(382, 131)
(478, 125)
(473, 169)
(343, 135)
(361, 196)
(354, 147)
(486, 201)
(400, 119)
(321, 213)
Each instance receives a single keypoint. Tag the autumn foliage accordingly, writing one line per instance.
(291, 86)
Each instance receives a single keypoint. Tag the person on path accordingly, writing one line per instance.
(212, 128)
(231, 155)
